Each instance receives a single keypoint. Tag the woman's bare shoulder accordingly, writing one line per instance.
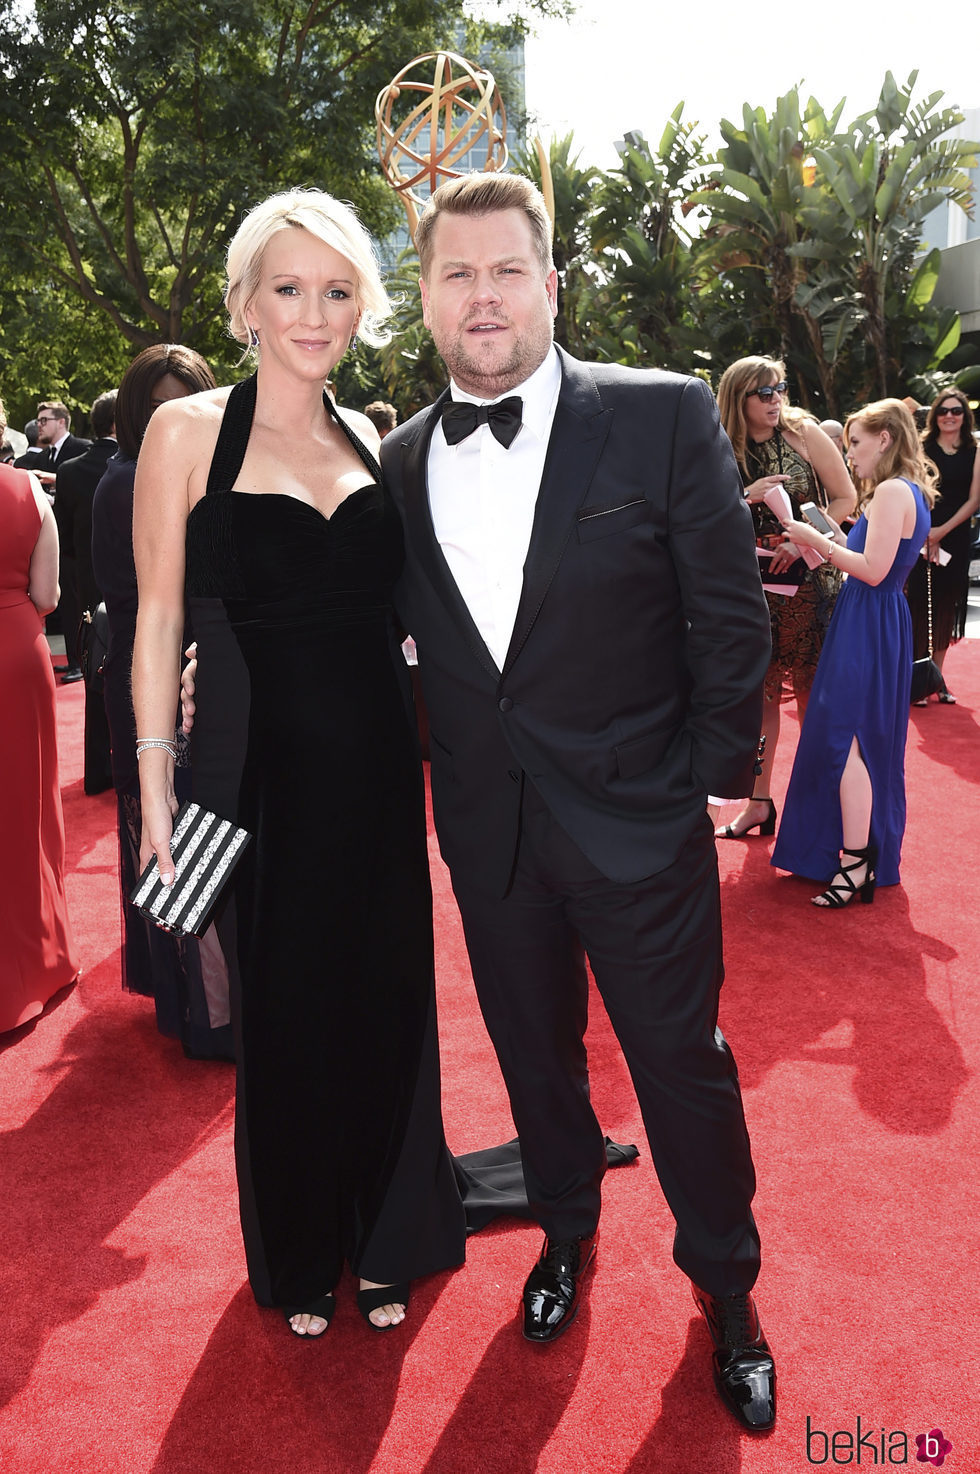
(362, 428)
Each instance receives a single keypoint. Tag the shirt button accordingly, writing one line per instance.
(504, 704)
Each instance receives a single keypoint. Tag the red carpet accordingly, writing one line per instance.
(131, 1344)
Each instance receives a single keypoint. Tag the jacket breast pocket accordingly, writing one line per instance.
(597, 521)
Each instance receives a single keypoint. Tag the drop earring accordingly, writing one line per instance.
(253, 337)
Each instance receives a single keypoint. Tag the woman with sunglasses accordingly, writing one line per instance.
(948, 441)
(776, 445)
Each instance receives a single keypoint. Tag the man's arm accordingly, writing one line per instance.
(712, 543)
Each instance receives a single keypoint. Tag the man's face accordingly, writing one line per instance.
(487, 302)
(49, 428)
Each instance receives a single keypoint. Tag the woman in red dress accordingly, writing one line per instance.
(37, 955)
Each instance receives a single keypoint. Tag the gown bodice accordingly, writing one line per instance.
(277, 562)
(908, 549)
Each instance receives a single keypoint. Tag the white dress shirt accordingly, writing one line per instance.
(482, 498)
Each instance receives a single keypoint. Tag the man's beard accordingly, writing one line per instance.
(487, 376)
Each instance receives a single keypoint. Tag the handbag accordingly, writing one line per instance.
(927, 678)
(93, 647)
(206, 849)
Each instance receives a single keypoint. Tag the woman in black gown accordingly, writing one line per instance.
(948, 442)
(304, 735)
(185, 978)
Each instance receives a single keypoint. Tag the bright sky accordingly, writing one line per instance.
(625, 64)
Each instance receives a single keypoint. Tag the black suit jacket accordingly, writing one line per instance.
(74, 490)
(633, 682)
(38, 458)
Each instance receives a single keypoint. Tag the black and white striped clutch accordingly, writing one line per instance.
(206, 850)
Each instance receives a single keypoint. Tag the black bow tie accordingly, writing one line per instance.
(460, 418)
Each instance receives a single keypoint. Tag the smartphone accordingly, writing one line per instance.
(816, 518)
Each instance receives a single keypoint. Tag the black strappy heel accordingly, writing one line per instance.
(765, 826)
(368, 1300)
(842, 892)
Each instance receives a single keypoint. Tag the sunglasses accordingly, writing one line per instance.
(949, 409)
(766, 391)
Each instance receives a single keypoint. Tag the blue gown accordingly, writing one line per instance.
(861, 689)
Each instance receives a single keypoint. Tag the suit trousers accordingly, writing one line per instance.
(655, 952)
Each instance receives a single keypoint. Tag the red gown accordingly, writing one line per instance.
(37, 953)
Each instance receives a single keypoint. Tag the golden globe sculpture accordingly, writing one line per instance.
(429, 117)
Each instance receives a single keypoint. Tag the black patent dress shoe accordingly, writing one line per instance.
(551, 1294)
(73, 673)
(745, 1373)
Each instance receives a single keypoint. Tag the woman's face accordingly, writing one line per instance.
(864, 449)
(305, 308)
(949, 416)
(762, 414)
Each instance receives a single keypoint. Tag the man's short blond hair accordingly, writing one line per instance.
(482, 194)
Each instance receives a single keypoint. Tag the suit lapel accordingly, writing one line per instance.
(425, 544)
(578, 435)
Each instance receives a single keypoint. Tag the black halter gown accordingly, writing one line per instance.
(304, 735)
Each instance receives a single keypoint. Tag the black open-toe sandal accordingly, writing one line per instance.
(368, 1300)
(841, 892)
(322, 1308)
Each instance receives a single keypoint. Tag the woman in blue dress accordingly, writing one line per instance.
(845, 807)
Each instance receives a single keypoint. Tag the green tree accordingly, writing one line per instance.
(903, 163)
(753, 204)
(136, 135)
(643, 310)
(812, 242)
(572, 246)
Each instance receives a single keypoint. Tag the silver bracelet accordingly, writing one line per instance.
(143, 743)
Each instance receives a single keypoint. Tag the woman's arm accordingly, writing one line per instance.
(828, 463)
(969, 509)
(888, 513)
(160, 508)
(42, 577)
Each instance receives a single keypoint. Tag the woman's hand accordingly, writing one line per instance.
(159, 805)
(803, 535)
(784, 555)
(933, 544)
(756, 490)
(188, 686)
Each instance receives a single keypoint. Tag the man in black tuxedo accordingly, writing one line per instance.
(54, 437)
(74, 492)
(582, 586)
(55, 446)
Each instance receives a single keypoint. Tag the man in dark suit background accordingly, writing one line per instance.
(55, 446)
(582, 586)
(74, 491)
(54, 437)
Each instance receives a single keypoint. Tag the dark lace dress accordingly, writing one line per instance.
(798, 622)
(950, 581)
(304, 734)
(186, 978)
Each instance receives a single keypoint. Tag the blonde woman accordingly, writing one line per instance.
(303, 734)
(844, 816)
(776, 445)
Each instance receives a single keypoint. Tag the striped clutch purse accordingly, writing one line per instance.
(206, 850)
